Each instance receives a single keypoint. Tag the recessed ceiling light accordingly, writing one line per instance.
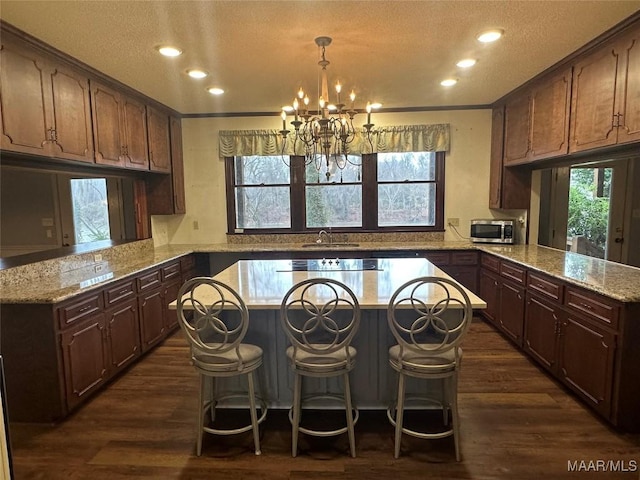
(490, 35)
(197, 73)
(448, 82)
(466, 63)
(215, 91)
(168, 51)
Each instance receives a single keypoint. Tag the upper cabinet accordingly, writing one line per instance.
(165, 193)
(159, 145)
(44, 105)
(537, 120)
(605, 108)
(119, 128)
(509, 187)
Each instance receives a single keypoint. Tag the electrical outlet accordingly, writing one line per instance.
(97, 257)
(454, 222)
(97, 268)
(196, 226)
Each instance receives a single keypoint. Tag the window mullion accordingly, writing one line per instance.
(370, 191)
(297, 192)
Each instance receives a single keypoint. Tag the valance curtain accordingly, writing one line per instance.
(400, 138)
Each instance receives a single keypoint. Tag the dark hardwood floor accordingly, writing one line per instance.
(516, 423)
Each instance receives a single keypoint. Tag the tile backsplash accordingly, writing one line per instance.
(339, 237)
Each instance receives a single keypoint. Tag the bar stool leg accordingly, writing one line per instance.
(254, 415)
(349, 409)
(201, 408)
(453, 389)
(295, 424)
(399, 414)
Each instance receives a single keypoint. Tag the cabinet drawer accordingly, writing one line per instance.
(149, 280)
(513, 272)
(545, 286)
(490, 262)
(438, 258)
(592, 306)
(464, 258)
(171, 271)
(119, 293)
(79, 310)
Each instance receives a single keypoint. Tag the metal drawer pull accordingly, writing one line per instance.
(84, 309)
(587, 306)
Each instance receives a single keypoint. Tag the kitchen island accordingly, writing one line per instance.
(263, 284)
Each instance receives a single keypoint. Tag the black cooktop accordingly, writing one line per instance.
(334, 264)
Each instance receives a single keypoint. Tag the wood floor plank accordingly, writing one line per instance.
(516, 422)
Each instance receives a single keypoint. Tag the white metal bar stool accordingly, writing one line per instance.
(428, 316)
(320, 317)
(215, 320)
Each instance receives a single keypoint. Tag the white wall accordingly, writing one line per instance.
(466, 172)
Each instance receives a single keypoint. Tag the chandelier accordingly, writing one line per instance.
(325, 135)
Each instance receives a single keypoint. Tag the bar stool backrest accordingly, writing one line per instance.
(429, 315)
(320, 315)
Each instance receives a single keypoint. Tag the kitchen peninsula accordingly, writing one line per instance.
(575, 316)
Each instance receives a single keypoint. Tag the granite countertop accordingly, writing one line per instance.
(39, 284)
(262, 284)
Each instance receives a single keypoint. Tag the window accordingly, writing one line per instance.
(90, 209)
(372, 192)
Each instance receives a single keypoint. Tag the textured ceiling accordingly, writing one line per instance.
(261, 52)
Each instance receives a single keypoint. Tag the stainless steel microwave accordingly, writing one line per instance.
(493, 231)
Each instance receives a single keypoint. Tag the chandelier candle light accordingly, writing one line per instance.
(327, 134)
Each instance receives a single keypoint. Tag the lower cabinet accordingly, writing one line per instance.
(541, 331)
(85, 358)
(489, 289)
(586, 359)
(511, 311)
(76, 346)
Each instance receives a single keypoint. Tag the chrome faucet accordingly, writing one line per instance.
(327, 235)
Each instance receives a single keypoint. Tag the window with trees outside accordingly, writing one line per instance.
(372, 192)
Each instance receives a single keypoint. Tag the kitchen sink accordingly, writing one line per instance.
(329, 245)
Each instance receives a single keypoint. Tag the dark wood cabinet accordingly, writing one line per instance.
(123, 337)
(550, 112)
(511, 311)
(152, 324)
(541, 331)
(537, 120)
(44, 106)
(509, 188)
(119, 128)
(517, 129)
(85, 358)
(605, 108)
(460, 265)
(159, 143)
(76, 346)
(489, 288)
(586, 361)
(166, 193)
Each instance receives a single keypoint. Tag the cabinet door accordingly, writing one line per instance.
(511, 316)
(23, 102)
(550, 108)
(85, 359)
(177, 166)
(467, 276)
(517, 130)
(593, 100)
(159, 145)
(152, 323)
(107, 134)
(586, 361)
(123, 338)
(541, 329)
(134, 118)
(73, 135)
(490, 293)
(170, 294)
(629, 92)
